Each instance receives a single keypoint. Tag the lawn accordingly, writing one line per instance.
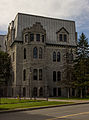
(12, 101)
(75, 98)
(29, 104)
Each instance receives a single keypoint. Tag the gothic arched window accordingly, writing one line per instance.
(24, 53)
(40, 53)
(35, 52)
(58, 57)
(54, 56)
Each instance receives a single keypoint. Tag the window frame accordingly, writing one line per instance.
(54, 56)
(54, 76)
(35, 53)
(35, 74)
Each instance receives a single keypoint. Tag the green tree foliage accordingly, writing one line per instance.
(81, 64)
(5, 68)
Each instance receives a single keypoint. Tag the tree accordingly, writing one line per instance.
(68, 70)
(5, 68)
(81, 65)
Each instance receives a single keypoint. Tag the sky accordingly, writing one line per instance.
(76, 10)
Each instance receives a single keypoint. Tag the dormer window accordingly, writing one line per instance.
(65, 38)
(60, 37)
(31, 37)
(37, 37)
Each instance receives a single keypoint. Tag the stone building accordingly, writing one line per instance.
(37, 46)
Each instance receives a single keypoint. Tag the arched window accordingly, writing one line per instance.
(58, 76)
(40, 53)
(54, 76)
(35, 72)
(54, 56)
(58, 57)
(34, 91)
(35, 52)
(41, 91)
(24, 53)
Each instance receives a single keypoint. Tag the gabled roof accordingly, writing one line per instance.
(62, 29)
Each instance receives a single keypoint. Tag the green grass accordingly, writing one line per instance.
(63, 98)
(30, 104)
(12, 101)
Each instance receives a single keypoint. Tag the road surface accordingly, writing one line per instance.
(75, 112)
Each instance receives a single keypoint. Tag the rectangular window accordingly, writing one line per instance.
(65, 38)
(42, 38)
(59, 91)
(31, 37)
(37, 37)
(60, 37)
(54, 76)
(24, 92)
(35, 74)
(24, 74)
(40, 74)
(58, 76)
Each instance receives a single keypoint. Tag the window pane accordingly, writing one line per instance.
(54, 56)
(24, 92)
(65, 38)
(40, 53)
(32, 37)
(37, 37)
(60, 37)
(54, 75)
(40, 74)
(35, 52)
(58, 57)
(42, 38)
(35, 74)
(58, 76)
(34, 91)
(24, 74)
(24, 53)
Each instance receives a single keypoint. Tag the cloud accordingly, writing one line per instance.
(66, 9)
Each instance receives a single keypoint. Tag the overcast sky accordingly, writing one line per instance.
(77, 10)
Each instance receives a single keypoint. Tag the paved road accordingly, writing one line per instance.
(76, 112)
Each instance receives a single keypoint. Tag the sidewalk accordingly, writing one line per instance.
(75, 102)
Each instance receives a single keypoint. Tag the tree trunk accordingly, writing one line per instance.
(81, 95)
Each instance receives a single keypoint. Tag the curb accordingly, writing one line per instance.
(35, 108)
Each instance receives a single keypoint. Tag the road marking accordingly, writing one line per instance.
(68, 115)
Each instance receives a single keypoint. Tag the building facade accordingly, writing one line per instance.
(38, 46)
